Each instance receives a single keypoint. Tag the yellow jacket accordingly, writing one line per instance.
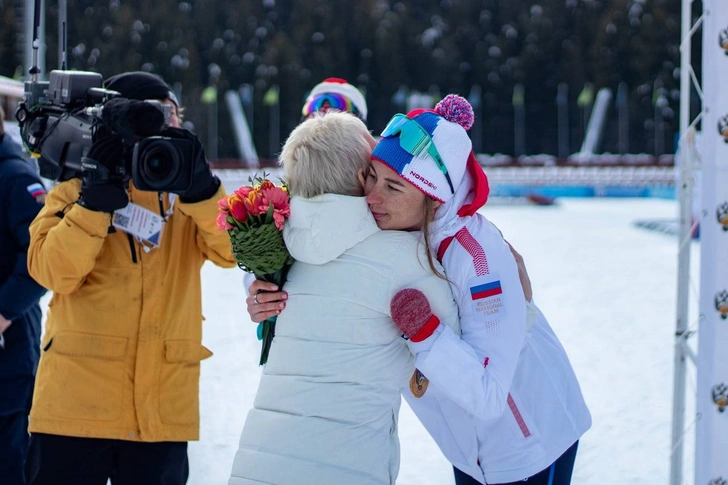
(122, 344)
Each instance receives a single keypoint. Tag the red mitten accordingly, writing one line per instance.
(412, 314)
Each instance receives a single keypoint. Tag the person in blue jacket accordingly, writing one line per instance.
(21, 196)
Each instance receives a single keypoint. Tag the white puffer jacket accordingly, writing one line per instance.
(326, 409)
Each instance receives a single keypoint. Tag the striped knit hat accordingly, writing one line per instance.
(446, 125)
(336, 93)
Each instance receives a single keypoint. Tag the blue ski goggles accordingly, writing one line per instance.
(416, 141)
(326, 101)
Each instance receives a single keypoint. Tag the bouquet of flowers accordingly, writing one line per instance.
(253, 216)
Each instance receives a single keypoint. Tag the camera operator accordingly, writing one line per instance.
(21, 197)
(117, 392)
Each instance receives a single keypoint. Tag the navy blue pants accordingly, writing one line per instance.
(559, 473)
(13, 446)
(66, 460)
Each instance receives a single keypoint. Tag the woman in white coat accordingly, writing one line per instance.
(524, 411)
(327, 405)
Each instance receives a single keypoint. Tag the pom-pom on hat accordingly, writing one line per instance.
(446, 126)
(335, 93)
(140, 85)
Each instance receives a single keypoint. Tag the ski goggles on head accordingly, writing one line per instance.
(416, 141)
(327, 101)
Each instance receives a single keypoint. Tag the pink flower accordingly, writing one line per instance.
(254, 201)
(243, 191)
(222, 222)
(261, 205)
(278, 197)
(278, 219)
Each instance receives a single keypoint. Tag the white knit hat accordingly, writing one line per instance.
(349, 97)
(446, 126)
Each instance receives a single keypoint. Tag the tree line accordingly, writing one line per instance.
(499, 53)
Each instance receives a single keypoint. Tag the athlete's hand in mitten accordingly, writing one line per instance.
(204, 183)
(103, 185)
(412, 314)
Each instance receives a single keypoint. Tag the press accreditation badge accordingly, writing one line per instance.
(486, 294)
(139, 222)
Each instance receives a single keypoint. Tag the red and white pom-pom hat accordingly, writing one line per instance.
(446, 125)
(340, 86)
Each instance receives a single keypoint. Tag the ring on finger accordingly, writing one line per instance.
(255, 299)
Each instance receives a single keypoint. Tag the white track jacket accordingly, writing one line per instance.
(503, 402)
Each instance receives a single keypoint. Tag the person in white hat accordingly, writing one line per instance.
(331, 94)
(504, 404)
(337, 94)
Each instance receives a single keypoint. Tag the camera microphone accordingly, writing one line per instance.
(132, 119)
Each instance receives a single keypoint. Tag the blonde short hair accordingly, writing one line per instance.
(324, 154)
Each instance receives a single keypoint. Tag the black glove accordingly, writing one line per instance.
(103, 186)
(132, 119)
(204, 183)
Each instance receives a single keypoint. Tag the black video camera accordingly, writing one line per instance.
(163, 164)
(61, 118)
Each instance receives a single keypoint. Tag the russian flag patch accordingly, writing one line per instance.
(35, 189)
(484, 291)
(486, 295)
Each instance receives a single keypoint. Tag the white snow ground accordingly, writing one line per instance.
(608, 289)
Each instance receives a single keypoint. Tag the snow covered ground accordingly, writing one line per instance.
(608, 289)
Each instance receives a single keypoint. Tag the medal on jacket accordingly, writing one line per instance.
(418, 384)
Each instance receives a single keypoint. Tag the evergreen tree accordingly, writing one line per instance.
(386, 47)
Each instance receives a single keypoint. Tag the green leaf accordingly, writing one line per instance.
(269, 214)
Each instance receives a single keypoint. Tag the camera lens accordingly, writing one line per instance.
(157, 164)
(160, 163)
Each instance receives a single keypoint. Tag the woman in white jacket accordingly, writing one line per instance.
(524, 411)
(326, 408)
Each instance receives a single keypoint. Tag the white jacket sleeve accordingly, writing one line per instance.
(476, 369)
